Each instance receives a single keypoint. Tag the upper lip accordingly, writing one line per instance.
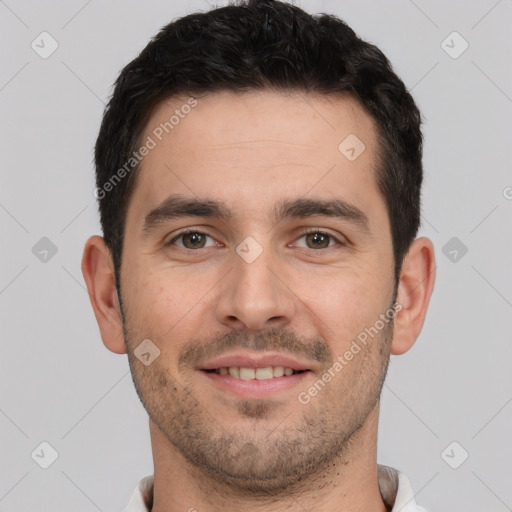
(248, 359)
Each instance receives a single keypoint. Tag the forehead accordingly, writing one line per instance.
(254, 148)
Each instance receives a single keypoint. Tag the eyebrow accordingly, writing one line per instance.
(176, 206)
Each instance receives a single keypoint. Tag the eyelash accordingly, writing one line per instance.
(192, 231)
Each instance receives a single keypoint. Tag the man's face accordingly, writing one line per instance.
(274, 282)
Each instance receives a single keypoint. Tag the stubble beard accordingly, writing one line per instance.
(256, 461)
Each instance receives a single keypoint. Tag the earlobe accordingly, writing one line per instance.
(98, 272)
(415, 288)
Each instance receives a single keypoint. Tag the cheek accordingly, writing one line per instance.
(346, 307)
(153, 293)
(148, 304)
(166, 308)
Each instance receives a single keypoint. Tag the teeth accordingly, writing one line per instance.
(278, 371)
(247, 373)
(264, 373)
(268, 372)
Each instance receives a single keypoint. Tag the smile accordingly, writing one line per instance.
(244, 373)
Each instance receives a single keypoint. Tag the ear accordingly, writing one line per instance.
(414, 290)
(98, 272)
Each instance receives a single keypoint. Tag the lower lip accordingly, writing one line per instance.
(256, 388)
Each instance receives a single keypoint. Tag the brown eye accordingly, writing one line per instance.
(318, 240)
(191, 240)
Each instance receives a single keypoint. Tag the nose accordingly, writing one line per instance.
(255, 295)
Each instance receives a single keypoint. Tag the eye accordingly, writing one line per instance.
(192, 240)
(316, 239)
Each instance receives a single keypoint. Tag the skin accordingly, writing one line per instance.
(214, 450)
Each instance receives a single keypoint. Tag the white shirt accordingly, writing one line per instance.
(395, 489)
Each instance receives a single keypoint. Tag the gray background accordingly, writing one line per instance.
(58, 382)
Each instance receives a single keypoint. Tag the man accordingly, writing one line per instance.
(258, 176)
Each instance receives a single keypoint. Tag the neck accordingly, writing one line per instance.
(349, 483)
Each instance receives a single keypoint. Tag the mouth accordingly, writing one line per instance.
(253, 375)
(265, 373)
